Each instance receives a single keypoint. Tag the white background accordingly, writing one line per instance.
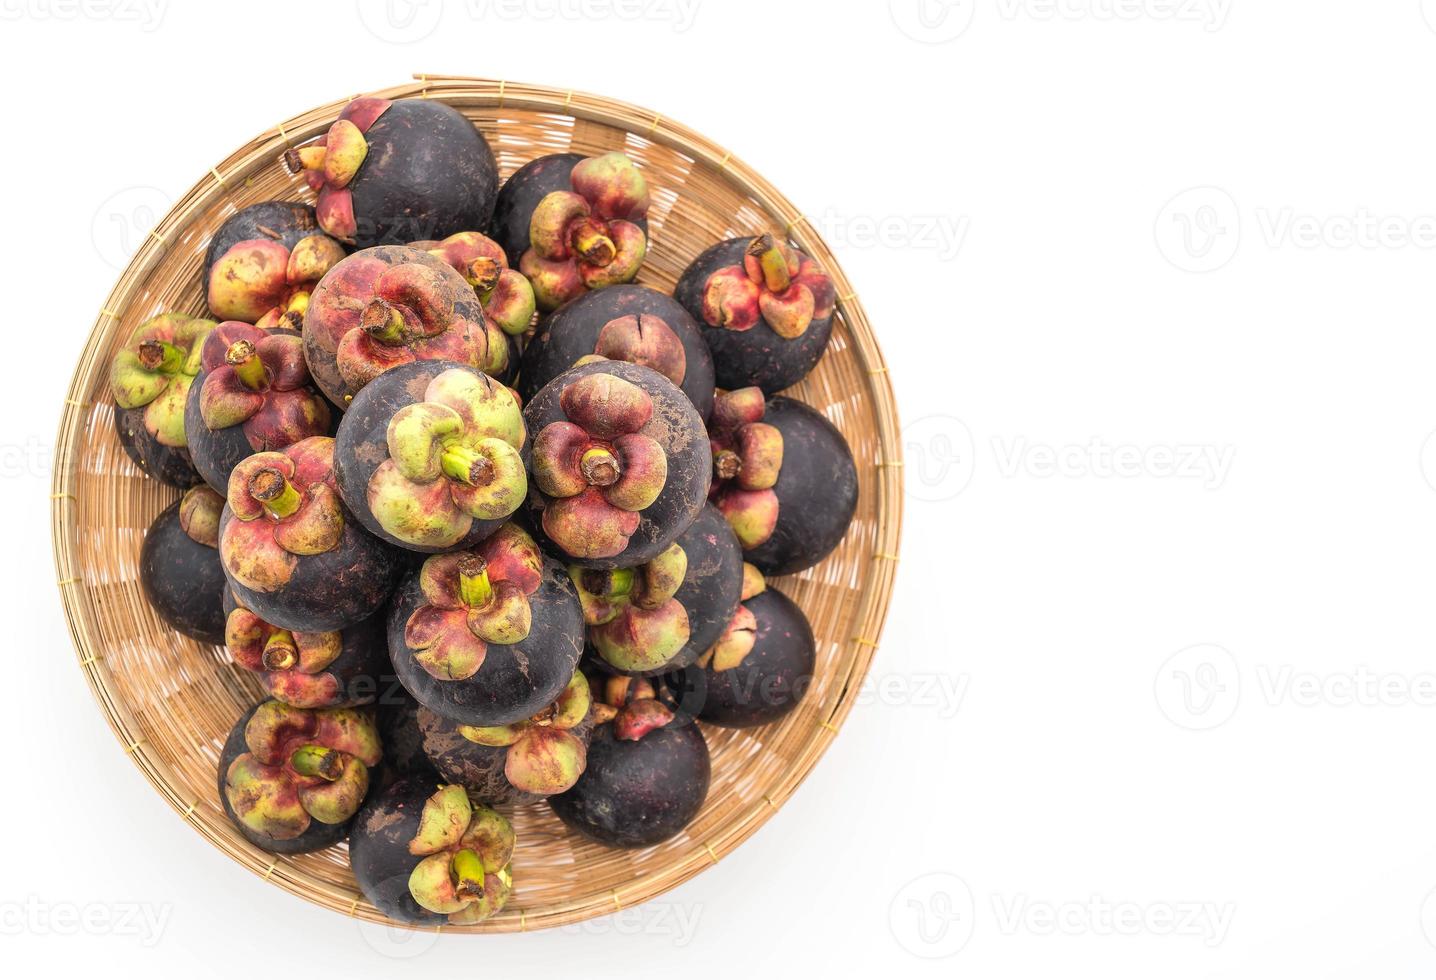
(1156, 695)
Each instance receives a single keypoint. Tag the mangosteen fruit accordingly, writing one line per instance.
(291, 779)
(619, 464)
(784, 478)
(398, 720)
(390, 172)
(663, 615)
(324, 669)
(263, 262)
(427, 456)
(180, 571)
(426, 855)
(766, 310)
(760, 668)
(291, 551)
(647, 773)
(505, 294)
(150, 379)
(573, 223)
(488, 636)
(252, 394)
(622, 323)
(522, 762)
(393, 305)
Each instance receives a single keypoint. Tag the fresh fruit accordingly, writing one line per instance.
(766, 309)
(505, 294)
(393, 305)
(623, 323)
(252, 394)
(571, 224)
(517, 763)
(427, 456)
(398, 719)
(427, 855)
(150, 379)
(784, 478)
(180, 570)
(760, 668)
(619, 464)
(291, 779)
(488, 636)
(263, 262)
(647, 772)
(291, 551)
(325, 669)
(661, 616)
(390, 172)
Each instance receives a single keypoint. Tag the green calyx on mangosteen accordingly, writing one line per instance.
(180, 570)
(505, 294)
(428, 456)
(396, 171)
(252, 394)
(291, 778)
(291, 552)
(150, 380)
(264, 260)
(429, 855)
(393, 305)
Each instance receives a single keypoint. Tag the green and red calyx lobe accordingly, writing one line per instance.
(633, 618)
(774, 283)
(587, 238)
(741, 633)
(466, 851)
(292, 664)
(155, 369)
(747, 458)
(505, 294)
(286, 506)
(543, 755)
(631, 703)
(260, 382)
(264, 282)
(301, 766)
(472, 599)
(199, 512)
(598, 468)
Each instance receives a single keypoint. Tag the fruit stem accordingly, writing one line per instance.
(318, 760)
(468, 874)
(475, 589)
(771, 261)
(383, 322)
(483, 273)
(599, 467)
(246, 363)
(466, 465)
(160, 355)
(304, 158)
(275, 492)
(727, 464)
(608, 583)
(280, 651)
(590, 240)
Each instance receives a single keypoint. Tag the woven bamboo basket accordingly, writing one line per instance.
(171, 701)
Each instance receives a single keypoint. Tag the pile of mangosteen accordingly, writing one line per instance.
(488, 520)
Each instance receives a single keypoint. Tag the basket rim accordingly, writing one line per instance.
(494, 94)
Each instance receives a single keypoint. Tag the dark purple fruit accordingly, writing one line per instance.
(427, 456)
(180, 570)
(663, 615)
(393, 172)
(252, 394)
(292, 552)
(264, 260)
(150, 380)
(647, 776)
(489, 636)
(766, 311)
(424, 854)
(619, 464)
(291, 780)
(398, 720)
(623, 323)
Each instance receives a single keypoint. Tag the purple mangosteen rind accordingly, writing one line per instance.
(361, 448)
(573, 331)
(678, 431)
(398, 719)
(756, 356)
(171, 465)
(638, 793)
(817, 490)
(772, 677)
(515, 681)
(182, 578)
